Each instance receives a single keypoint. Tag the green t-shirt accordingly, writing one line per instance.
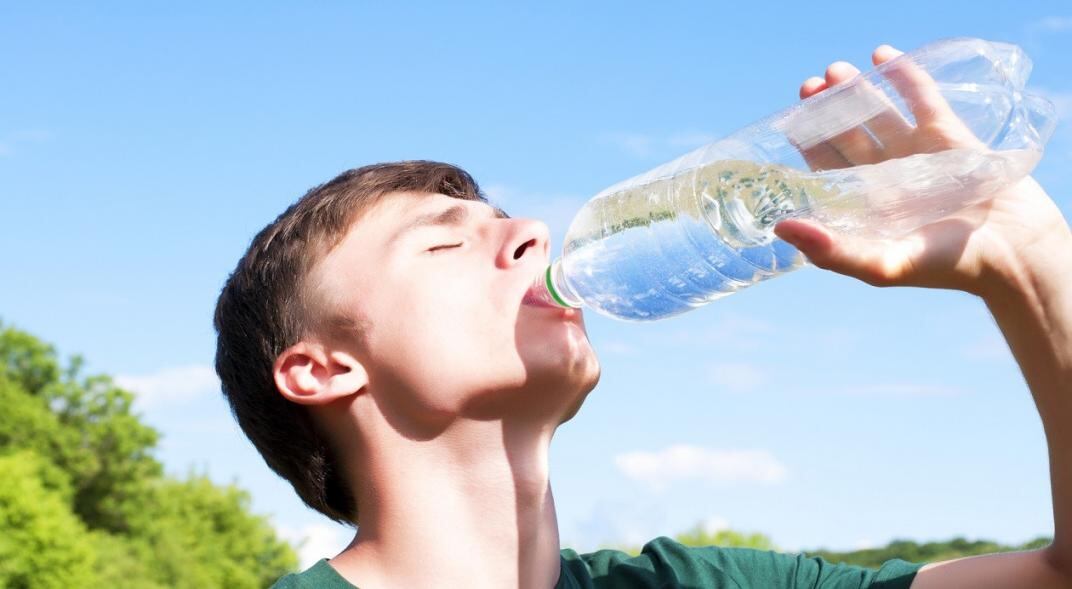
(666, 563)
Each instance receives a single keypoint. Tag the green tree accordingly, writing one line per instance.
(925, 552)
(700, 536)
(108, 516)
(84, 425)
(204, 535)
(42, 542)
(871, 557)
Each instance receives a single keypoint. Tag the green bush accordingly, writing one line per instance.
(83, 501)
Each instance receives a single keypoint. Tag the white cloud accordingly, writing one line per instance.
(1053, 24)
(737, 377)
(171, 385)
(683, 462)
(314, 541)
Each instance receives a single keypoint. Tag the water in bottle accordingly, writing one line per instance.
(701, 227)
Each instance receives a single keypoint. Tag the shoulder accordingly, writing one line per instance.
(291, 581)
(664, 559)
(321, 576)
(287, 582)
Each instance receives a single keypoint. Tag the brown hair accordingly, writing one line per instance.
(265, 307)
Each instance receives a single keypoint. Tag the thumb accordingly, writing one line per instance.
(880, 263)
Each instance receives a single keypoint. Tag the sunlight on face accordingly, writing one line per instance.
(441, 282)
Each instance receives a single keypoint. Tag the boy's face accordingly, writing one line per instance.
(442, 283)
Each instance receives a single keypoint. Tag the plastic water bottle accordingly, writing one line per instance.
(701, 227)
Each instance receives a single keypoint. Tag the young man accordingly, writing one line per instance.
(378, 346)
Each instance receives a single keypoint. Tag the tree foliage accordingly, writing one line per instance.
(925, 552)
(700, 536)
(907, 550)
(83, 502)
(42, 542)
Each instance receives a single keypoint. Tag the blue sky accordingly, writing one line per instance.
(141, 147)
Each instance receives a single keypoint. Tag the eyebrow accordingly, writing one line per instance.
(451, 217)
(454, 216)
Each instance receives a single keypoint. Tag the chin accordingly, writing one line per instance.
(559, 352)
(548, 391)
(570, 373)
(560, 366)
(584, 387)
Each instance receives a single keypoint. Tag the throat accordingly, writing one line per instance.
(456, 515)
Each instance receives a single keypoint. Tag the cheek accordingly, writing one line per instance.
(467, 317)
(450, 343)
(450, 329)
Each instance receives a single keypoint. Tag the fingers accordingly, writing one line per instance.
(811, 86)
(840, 71)
(822, 156)
(856, 144)
(889, 127)
(913, 84)
(887, 134)
(884, 53)
(877, 263)
(941, 127)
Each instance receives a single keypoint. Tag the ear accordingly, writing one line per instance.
(308, 374)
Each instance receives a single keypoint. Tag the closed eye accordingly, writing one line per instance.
(444, 247)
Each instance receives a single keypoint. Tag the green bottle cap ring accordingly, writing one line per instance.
(551, 289)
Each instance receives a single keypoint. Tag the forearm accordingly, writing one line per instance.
(1032, 304)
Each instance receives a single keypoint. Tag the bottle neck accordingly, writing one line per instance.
(558, 287)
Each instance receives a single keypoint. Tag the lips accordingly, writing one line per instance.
(537, 295)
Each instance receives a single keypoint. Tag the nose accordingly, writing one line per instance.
(522, 238)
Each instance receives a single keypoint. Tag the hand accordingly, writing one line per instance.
(979, 250)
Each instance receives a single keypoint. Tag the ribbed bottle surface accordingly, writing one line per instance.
(701, 227)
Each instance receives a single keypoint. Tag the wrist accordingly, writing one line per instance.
(1028, 275)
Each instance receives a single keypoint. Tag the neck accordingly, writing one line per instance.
(471, 507)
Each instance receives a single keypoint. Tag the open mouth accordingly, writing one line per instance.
(538, 297)
(537, 294)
